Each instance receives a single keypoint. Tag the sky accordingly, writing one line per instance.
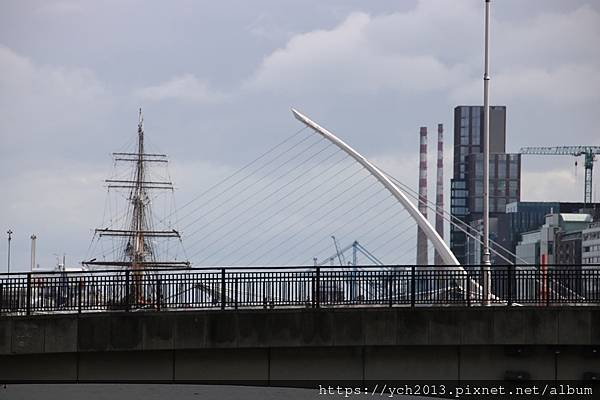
(216, 81)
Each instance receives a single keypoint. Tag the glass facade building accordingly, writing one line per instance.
(466, 196)
(505, 178)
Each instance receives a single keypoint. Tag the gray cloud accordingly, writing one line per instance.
(216, 81)
(185, 87)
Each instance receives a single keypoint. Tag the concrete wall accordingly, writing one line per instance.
(268, 345)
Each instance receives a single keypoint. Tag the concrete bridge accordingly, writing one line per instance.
(268, 345)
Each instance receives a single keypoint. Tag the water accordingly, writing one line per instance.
(163, 391)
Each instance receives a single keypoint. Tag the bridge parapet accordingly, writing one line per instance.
(300, 328)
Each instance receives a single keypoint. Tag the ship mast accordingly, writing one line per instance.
(138, 198)
(139, 253)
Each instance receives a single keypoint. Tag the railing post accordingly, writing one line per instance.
(413, 289)
(236, 293)
(79, 293)
(483, 285)
(28, 291)
(127, 292)
(158, 294)
(510, 284)
(390, 297)
(313, 292)
(547, 284)
(318, 289)
(1, 297)
(223, 298)
(468, 290)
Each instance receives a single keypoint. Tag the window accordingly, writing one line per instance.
(512, 188)
(500, 188)
(514, 167)
(479, 168)
(459, 184)
(501, 205)
(478, 188)
(475, 129)
(501, 168)
(464, 135)
(459, 210)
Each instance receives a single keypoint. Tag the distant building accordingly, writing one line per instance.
(568, 249)
(590, 259)
(505, 187)
(466, 196)
(555, 246)
(528, 250)
(591, 244)
(525, 216)
(505, 179)
(558, 241)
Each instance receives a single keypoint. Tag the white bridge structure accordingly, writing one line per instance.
(439, 244)
(442, 248)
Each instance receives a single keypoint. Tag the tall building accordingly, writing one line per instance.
(468, 134)
(466, 196)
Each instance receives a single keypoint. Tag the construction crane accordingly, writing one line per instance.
(588, 151)
(339, 254)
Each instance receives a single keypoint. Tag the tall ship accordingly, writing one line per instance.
(134, 237)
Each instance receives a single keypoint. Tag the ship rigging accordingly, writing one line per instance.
(138, 250)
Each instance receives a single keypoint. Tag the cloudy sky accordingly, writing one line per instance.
(216, 81)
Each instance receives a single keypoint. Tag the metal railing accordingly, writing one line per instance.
(312, 287)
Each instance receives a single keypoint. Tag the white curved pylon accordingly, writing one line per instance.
(439, 244)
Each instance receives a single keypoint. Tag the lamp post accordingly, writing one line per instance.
(486, 163)
(10, 232)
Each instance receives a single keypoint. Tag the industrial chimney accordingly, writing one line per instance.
(33, 239)
(439, 192)
(421, 238)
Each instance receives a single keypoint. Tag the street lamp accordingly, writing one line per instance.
(486, 162)
(10, 232)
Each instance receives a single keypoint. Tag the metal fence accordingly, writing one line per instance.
(312, 287)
